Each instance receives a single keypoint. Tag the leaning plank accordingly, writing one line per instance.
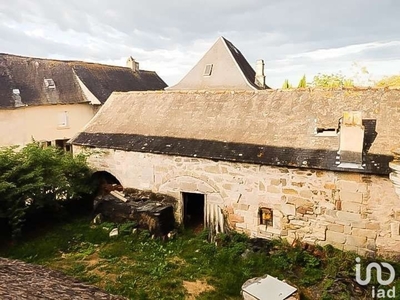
(118, 195)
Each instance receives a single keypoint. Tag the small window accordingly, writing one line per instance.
(63, 119)
(326, 132)
(266, 216)
(49, 83)
(16, 92)
(208, 70)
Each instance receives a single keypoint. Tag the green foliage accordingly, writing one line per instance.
(302, 82)
(36, 178)
(389, 81)
(139, 267)
(286, 85)
(331, 81)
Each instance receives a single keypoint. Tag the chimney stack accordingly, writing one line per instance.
(351, 140)
(133, 64)
(260, 77)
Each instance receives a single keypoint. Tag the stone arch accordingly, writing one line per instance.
(177, 185)
(104, 178)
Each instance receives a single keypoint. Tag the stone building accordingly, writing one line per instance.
(311, 165)
(51, 100)
(223, 67)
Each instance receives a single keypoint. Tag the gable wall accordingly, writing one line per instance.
(225, 74)
(348, 210)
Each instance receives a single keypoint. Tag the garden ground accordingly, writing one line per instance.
(187, 267)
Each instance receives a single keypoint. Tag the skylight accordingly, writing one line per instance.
(49, 83)
(208, 70)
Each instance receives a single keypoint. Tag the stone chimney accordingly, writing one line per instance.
(351, 140)
(133, 64)
(260, 77)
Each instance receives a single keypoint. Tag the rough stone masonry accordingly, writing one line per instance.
(350, 211)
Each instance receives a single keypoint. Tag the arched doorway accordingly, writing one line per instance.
(106, 182)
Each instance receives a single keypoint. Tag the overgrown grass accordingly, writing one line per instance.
(139, 267)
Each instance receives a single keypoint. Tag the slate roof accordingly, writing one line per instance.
(243, 64)
(27, 74)
(230, 70)
(271, 127)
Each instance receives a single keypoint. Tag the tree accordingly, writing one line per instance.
(36, 178)
(302, 82)
(331, 80)
(389, 81)
(286, 85)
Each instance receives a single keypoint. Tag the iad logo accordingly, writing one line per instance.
(379, 293)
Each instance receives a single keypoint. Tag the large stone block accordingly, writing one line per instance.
(336, 227)
(357, 241)
(348, 216)
(290, 191)
(288, 209)
(330, 186)
(306, 194)
(347, 196)
(235, 218)
(371, 234)
(299, 201)
(350, 186)
(360, 224)
(351, 207)
(335, 237)
(273, 189)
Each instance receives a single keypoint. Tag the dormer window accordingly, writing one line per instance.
(208, 70)
(49, 83)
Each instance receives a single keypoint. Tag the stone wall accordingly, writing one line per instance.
(347, 210)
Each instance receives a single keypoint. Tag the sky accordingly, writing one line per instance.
(358, 38)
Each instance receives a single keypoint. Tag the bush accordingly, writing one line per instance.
(39, 179)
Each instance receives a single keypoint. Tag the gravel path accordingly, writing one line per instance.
(19, 280)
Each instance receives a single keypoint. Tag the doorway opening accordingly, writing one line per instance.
(193, 210)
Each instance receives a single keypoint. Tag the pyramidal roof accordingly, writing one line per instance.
(222, 67)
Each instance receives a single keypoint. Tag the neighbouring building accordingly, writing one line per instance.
(223, 67)
(311, 165)
(51, 100)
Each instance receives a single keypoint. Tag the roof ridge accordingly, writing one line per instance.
(70, 62)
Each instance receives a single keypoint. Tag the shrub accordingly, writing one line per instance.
(39, 179)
